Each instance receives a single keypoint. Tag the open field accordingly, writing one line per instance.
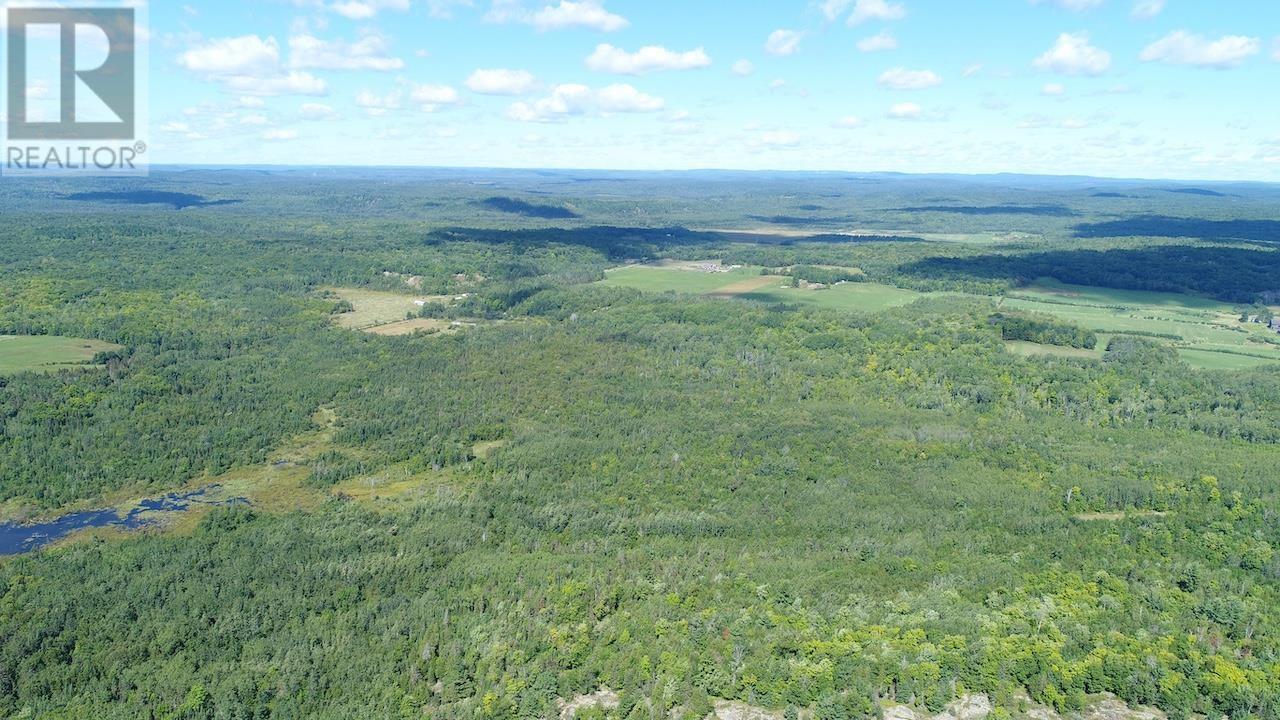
(1207, 333)
(374, 308)
(409, 327)
(747, 283)
(44, 353)
(674, 278)
(860, 297)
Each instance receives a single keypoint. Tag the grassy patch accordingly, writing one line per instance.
(409, 327)
(677, 278)
(47, 353)
(1207, 333)
(747, 283)
(374, 308)
(860, 297)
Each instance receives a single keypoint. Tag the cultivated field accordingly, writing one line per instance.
(747, 283)
(1207, 333)
(46, 353)
(374, 308)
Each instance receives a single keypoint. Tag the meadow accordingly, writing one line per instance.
(43, 353)
(1206, 333)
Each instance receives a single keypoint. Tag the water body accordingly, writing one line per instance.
(16, 538)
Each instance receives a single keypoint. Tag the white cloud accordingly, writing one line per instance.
(1275, 53)
(317, 111)
(564, 101)
(651, 58)
(832, 9)
(1074, 5)
(433, 97)
(1053, 90)
(971, 70)
(906, 111)
(1183, 48)
(877, 43)
(867, 10)
(366, 9)
(903, 79)
(743, 68)
(571, 100)
(625, 98)
(278, 135)
(245, 55)
(294, 83)
(783, 42)
(1073, 55)
(848, 122)
(250, 65)
(443, 9)
(777, 139)
(249, 101)
(1146, 9)
(588, 14)
(500, 81)
(367, 53)
(375, 104)
(254, 119)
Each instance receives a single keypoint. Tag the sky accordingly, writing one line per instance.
(1118, 88)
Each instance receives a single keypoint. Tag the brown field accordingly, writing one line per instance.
(750, 285)
(409, 327)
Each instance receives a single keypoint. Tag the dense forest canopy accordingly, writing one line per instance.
(812, 509)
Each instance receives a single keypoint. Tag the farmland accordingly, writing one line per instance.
(43, 353)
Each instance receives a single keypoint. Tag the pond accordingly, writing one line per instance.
(16, 538)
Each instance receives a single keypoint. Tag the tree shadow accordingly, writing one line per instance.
(1175, 227)
(1229, 274)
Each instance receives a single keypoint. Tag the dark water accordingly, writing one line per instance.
(18, 538)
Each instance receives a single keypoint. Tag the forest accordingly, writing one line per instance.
(819, 511)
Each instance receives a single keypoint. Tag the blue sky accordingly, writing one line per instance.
(1130, 88)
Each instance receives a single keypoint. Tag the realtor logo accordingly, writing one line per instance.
(72, 89)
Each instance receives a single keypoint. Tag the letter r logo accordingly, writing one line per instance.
(113, 82)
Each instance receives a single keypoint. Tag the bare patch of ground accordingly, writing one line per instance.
(604, 698)
(733, 710)
(409, 327)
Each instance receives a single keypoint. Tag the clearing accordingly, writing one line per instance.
(375, 308)
(1207, 333)
(409, 327)
(748, 283)
(47, 353)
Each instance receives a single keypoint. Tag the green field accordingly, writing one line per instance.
(849, 296)
(374, 308)
(675, 279)
(1207, 333)
(46, 353)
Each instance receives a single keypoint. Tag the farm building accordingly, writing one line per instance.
(1275, 324)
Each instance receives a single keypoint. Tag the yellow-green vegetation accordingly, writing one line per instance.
(1207, 333)
(679, 278)
(417, 325)
(47, 353)
(375, 308)
(748, 283)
